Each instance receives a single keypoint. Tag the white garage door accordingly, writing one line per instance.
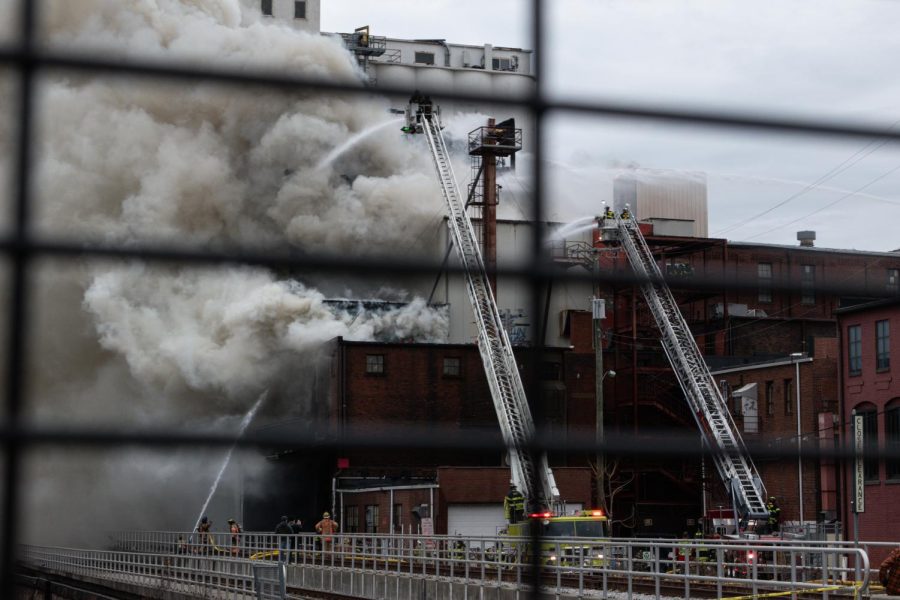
(484, 519)
(475, 519)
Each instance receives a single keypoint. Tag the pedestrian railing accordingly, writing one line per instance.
(584, 567)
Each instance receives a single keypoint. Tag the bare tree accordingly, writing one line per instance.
(612, 483)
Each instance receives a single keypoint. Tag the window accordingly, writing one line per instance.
(788, 397)
(870, 432)
(709, 344)
(893, 280)
(398, 518)
(452, 367)
(267, 8)
(351, 518)
(770, 398)
(764, 275)
(550, 370)
(372, 518)
(882, 345)
(425, 58)
(808, 284)
(299, 9)
(854, 349)
(892, 438)
(375, 364)
(502, 64)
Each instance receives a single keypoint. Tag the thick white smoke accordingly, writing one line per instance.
(128, 161)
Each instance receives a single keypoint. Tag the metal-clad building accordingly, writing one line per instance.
(660, 195)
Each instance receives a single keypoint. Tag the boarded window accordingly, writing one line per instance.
(267, 8)
(788, 397)
(808, 284)
(299, 9)
(764, 275)
(425, 58)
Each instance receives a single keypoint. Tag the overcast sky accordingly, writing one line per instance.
(813, 59)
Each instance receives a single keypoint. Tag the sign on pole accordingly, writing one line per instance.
(859, 471)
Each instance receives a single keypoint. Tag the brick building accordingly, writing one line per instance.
(747, 331)
(442, 388)
(759, 315)
(868, 389)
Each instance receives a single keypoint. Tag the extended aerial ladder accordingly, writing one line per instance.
(718, 430)
(530, 471)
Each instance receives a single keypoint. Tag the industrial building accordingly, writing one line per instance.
(774, 349)
(869, 392)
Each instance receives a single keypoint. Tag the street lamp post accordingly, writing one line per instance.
(795, 357)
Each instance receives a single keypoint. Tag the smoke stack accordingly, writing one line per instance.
(806, 238)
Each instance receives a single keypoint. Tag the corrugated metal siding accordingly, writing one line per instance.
(665, 196)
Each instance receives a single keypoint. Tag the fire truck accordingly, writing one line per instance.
(530, 472)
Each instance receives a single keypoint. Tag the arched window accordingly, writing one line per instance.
(892, 438)
(870, 429)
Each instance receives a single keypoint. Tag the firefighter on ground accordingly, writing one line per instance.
(702, 550)
(683, 551)
(514, 504)
(889, 573)
(326, 528)
(235, 536)
(204, 537)
(774, 515)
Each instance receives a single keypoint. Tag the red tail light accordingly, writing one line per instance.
(541, 515)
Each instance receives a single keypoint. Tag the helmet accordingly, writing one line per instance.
(326, 515)
(232, 521)
(284, 517)
(205, 519)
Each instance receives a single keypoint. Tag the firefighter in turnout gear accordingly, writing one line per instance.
(204, 537)
(235, 536)
(514, 504)
(326, 528)
(774, 515)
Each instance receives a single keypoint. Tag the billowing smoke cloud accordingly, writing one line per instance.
(133, 161)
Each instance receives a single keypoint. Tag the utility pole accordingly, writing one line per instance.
(598, 308)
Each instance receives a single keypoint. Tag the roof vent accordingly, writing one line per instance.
(806, 238)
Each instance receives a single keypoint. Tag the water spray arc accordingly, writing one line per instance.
(334, 154)
(245, 422)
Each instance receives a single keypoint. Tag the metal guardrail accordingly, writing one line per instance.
(583, 567)
(197, 575)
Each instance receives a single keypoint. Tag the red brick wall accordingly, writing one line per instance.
(879, 522)
(779, 430)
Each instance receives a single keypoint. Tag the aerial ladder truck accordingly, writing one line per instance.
(530, 471)
(719, 434)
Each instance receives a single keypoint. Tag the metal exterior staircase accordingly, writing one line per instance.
(707, 404)
(530, 471)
